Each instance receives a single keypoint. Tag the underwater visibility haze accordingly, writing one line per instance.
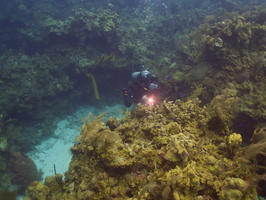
(204, 136)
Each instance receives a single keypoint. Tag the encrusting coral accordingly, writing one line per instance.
(230, 53)
(256, 154)
(23, 170)
(166, 152)
(103, 20)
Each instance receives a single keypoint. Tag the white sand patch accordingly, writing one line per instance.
(52, 152)
(55, 151)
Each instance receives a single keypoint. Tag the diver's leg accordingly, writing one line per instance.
(128, 98)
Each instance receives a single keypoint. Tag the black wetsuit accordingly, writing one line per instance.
(138, 89)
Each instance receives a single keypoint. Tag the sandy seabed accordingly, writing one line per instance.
(53, 154)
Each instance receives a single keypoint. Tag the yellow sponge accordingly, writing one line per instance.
(95, 89)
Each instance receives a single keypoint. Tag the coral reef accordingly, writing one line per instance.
(256, 154)
(228, 54)
(258, 135)
(54, 47)
(8, 195)
(22, 169)
(38, 191)
(102, 21)
(3, 144)
(163, 152)
(17, 171)
(174, 151)
(41, 79)
(7, 190)
(112, 123)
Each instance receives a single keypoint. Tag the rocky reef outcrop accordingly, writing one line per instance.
(176, 150)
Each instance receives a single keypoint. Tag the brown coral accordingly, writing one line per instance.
(160, 152)
(222, 109)
(112, 123)
(23, 170)
(235, 50)
(256, 153)
(258, 135)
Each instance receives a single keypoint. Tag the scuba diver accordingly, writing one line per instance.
(142, 90)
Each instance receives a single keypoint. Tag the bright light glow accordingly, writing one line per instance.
(150, 101)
